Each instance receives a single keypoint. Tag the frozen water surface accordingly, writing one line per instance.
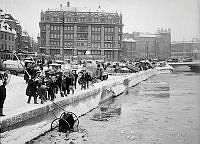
(144, 118)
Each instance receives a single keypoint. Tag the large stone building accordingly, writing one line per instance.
(70, 31)
(152, 45)
(146, 46)
(7, 39)
(14, 24)
(128, 49)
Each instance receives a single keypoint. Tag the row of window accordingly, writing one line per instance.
(84, 36)
(69, 28)
(93, 44)
(96, 45)
(82, 19)
(7, 47)
(55, 28)
(96, 29)
(55, 43)
(69, 44)
(109, 29)
(7, 37)
(69, 36)
(81, 28)
(108, 45)
(95, 52)
(108, 37)
(81, 43)
(108, 54)
(55, 35)
(96, 37)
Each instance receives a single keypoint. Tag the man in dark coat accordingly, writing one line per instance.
(69, 82)
(31, 90)
(87, 79)
(50, 87)
(82, 80)
(2, 93)
(58, 82)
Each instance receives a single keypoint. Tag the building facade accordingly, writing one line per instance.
(150, 46)
(129, 49)
(163, 43)
(146, 46)
(185, 49)
(70, 31)
(14, 24)
(7, 39)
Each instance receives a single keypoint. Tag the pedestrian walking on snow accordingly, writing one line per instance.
(31, 90)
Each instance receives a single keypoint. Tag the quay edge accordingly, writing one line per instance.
(29, 125)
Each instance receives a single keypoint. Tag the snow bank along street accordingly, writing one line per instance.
(25, 121)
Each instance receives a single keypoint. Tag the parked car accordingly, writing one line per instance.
(13, 66)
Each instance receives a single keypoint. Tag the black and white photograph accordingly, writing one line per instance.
(99, 71)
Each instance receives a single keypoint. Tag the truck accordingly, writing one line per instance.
(92, 67)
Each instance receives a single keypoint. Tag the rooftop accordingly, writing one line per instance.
(129, 40)
(147, 35)
(83, 9)
(4, 27)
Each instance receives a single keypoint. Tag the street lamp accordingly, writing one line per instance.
(63, 20)
(112, 49)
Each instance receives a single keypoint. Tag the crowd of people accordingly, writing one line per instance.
(46, 84)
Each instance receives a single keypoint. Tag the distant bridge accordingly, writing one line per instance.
(194, 66)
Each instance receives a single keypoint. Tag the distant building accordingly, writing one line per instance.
(7, 39)
(128, 49)
(14, 24)
(77, 30)
(163, 43)
(185, 49)
(146, 46)
(25, 45)
(152, 45)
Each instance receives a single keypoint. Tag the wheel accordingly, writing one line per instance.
(55, 124)
(76, 120)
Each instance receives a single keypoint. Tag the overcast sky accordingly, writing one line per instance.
(182, 16)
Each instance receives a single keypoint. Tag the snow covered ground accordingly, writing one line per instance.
(16, 100)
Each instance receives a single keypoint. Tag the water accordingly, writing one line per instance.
(144, 118)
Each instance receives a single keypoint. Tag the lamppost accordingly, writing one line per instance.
(112, 49)
(63, 20)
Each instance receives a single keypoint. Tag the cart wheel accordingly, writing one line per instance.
(76, 120)
(55, 123)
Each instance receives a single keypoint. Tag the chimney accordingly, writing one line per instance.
(68, 4)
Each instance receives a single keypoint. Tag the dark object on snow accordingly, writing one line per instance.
(67, 122)
(62, 124)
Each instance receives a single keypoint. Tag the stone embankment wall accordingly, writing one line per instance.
(25, 126)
